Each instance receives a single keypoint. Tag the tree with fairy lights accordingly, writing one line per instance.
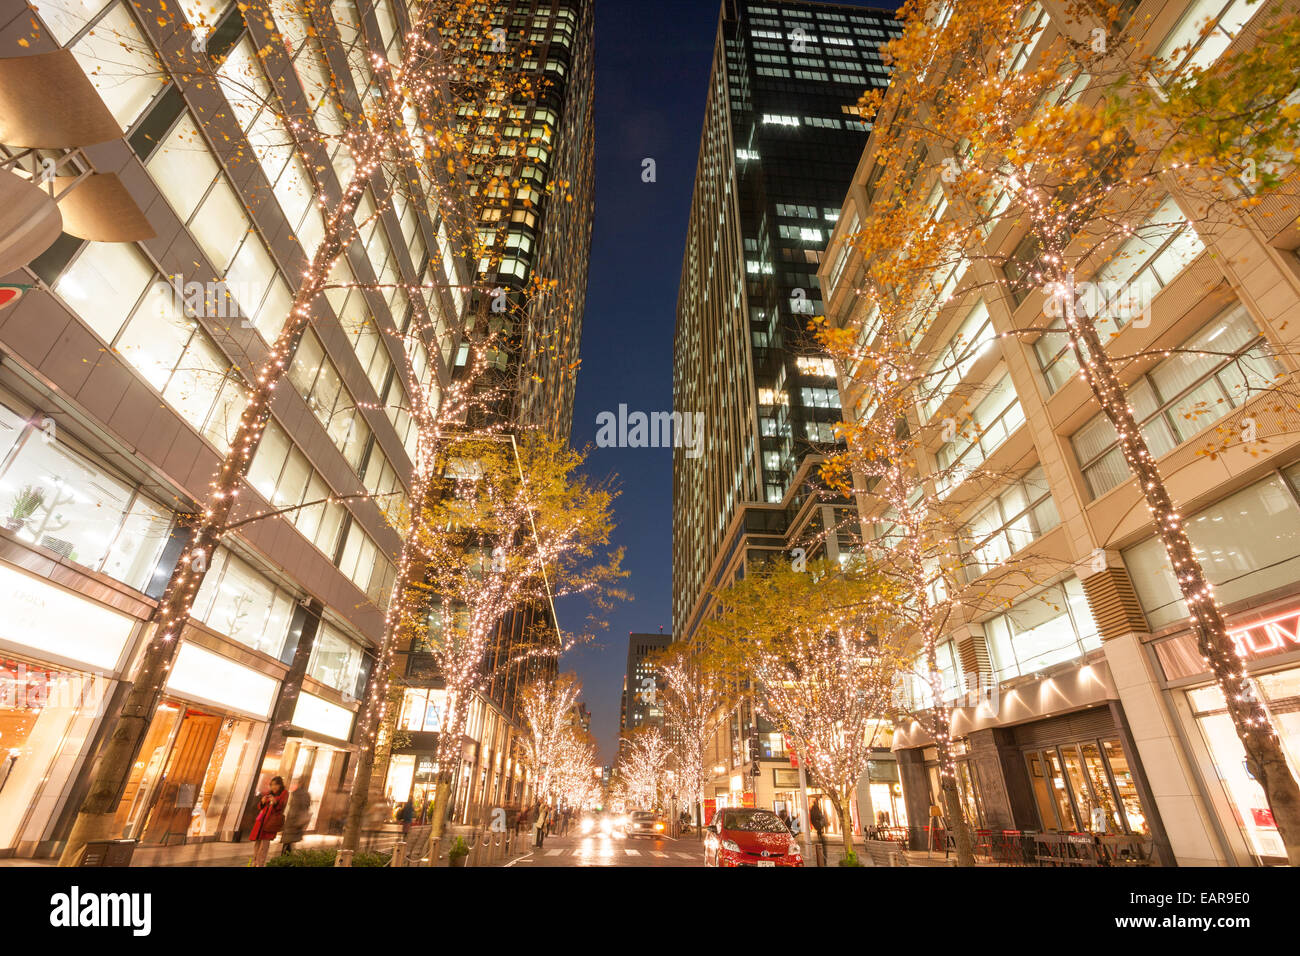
(643, 767)
(575, 769)
(509, 525)
(694, 702)
(547, 707)
(1052, 164)
(818, 646)
(407, 137)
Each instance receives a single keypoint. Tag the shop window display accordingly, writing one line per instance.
(1086, 787)
(1281, 693)
(42, 713)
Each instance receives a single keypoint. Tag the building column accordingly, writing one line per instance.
(1003, 783)
(1193, 834)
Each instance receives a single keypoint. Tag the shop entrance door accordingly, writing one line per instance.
(173, 806)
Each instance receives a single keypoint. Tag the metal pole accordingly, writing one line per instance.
(806, 825)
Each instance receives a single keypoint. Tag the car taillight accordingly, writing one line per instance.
(659, 826)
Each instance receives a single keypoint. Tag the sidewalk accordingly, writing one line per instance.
(203, 854)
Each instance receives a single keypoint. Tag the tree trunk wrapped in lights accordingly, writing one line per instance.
(1001, 122)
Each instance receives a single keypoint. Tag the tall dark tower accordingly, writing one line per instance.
(782, 137)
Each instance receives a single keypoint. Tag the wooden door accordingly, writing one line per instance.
(169, 820)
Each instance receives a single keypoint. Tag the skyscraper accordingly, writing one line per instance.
(641, 685)
(782, 136)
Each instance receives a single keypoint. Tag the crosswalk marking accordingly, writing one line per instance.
(631, 852)
(686, 856)
(660, 853)
(554, 852)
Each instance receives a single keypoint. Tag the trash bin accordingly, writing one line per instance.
(108, 853)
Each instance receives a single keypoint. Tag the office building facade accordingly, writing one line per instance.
(782, 135)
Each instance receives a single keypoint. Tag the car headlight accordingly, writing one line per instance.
(604, 826)
(586, 826)
(793, 849)
(659, 826)
(731, 846)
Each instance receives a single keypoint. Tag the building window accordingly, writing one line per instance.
(1188, 44)
(1125, 287)
(239, 602)
(1020, 514)
(957, 357)
(1247, 544)
(318, 382)
(990, 424)
(1054, 626)
(58, 499)
(338, 661)
(1182, 396)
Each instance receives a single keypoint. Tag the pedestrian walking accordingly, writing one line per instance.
(817, 820)
(794, 824)
(407, 817)
(539, 824)
(270, 818)
(296, 816)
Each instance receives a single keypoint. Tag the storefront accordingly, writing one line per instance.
(1269, 641)
(61, 658)
(1046, 755)
(200, 755)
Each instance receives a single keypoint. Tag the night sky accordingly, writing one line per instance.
(652, 70)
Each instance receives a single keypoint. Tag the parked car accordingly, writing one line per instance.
(646, 823)
(743, 836)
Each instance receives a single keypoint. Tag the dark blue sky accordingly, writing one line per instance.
(652, 70)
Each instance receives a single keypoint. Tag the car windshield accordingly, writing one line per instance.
(757, 821)
(643, 815)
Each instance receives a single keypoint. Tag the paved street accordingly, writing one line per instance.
(595, 850)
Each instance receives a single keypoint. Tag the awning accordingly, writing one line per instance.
(29, 221)
(46, 102)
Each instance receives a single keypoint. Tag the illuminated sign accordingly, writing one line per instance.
(1268, 637)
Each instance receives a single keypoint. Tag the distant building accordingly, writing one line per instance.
(641, 685)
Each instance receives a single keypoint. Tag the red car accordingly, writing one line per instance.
(749, 837)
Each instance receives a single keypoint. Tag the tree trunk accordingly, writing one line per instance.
(1264, 756)
(942, 727)
(846, 822)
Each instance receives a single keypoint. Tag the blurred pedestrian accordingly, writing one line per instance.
(539, 824)
(817, 820)
(270, 818)
(407, 817)
(296, 816)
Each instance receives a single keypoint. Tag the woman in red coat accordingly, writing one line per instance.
(270, 818)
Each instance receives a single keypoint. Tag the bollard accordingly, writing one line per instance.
(344, 858)
(399, 854)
